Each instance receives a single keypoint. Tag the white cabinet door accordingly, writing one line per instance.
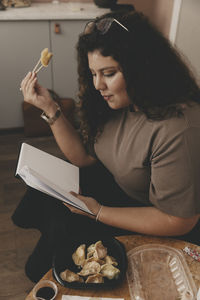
(64, 60)
(20, 48)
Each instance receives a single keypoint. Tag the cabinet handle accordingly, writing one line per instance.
(57, 28)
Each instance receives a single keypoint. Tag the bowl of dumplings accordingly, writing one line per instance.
(92, 264)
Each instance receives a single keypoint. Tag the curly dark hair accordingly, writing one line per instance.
(157, 79)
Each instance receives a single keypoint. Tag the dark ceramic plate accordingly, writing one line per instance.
(63, 260)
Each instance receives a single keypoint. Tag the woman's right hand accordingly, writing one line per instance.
(35, 94)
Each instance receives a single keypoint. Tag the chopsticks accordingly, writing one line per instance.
(44, 60)
(35, 68)
(45, 57)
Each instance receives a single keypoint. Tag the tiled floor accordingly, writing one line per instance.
(15, 243)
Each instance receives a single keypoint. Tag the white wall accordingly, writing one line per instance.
(188, 34)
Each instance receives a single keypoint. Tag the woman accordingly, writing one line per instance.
(140, 134)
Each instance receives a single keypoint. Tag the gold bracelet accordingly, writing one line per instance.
(98, 214)
(51, 120)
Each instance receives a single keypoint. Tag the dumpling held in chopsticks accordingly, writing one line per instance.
(45, 57)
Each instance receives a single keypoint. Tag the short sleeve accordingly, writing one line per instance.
(175, 173)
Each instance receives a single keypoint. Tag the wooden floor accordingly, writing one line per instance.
(15, 243)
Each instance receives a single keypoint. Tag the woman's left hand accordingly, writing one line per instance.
(90, 202)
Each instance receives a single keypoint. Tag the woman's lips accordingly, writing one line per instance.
(107, 98)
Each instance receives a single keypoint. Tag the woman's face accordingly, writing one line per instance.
(108, 80)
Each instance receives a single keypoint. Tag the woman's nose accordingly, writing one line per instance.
(99, 83)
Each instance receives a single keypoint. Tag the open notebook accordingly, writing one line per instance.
(49, 174)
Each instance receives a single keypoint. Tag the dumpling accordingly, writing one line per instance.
(95, 267)
(96, 278)
(100, 250)
(90, 268)
(99, 261)
(79, 255)
(110, 271)
(110, 260)
(70, 276)
(45, 57)
(90, 250)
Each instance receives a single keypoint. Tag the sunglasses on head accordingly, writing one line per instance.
(102, 25)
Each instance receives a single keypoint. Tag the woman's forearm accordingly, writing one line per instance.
(70, 143)
(146, 220)
(66, 136)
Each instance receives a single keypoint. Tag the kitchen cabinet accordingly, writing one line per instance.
(24, 33)
(20, 48)
(63, 45)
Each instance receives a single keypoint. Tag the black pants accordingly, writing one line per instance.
(59, 227)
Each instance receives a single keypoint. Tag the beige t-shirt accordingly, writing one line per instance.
(155, 162)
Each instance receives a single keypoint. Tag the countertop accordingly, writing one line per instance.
(51, 11)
